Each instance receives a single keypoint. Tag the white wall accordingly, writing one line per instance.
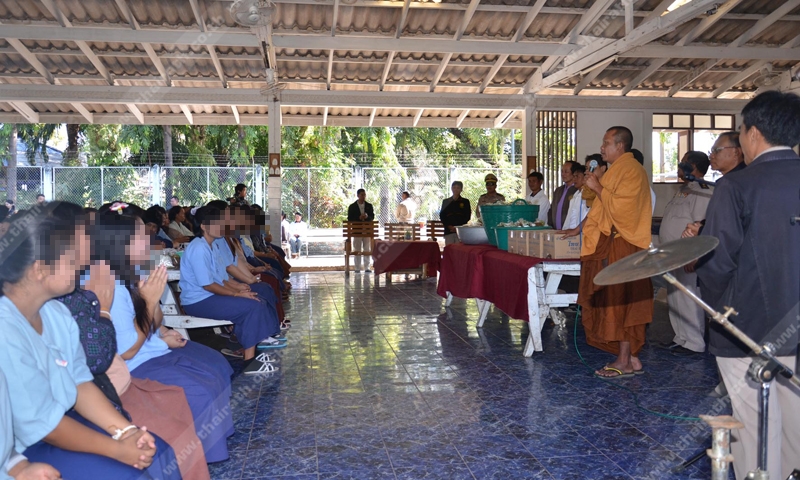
(592, 125)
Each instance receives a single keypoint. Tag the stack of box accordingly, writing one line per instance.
(543, 244)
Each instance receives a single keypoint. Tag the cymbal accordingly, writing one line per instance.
(656, 260)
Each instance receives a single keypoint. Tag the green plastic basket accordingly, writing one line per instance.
(501, 234)
(492, 215)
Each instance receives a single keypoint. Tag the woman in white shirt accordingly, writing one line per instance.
(177, 231)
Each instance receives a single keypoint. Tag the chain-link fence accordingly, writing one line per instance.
(29, 181)
(321, 195)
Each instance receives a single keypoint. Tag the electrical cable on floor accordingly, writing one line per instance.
(611, 382)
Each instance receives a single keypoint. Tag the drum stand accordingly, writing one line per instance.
(763, 370)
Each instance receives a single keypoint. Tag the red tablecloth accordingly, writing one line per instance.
(487, 273)
(462, 270)
(391, 256)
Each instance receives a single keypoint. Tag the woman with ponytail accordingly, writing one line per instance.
(152, 351)
(60, 416)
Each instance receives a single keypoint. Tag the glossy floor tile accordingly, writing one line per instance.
(382, 382)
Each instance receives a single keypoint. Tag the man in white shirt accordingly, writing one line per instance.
(406, 210)
(297, 234)
(577, 205)
(537, 196)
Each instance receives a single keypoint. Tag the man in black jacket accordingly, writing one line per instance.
(756, 270)
(455, 212)
(361, 211)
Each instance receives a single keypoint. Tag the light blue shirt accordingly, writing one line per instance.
(6, 428)
(248, 252)
(123, 317)
(223, 258)
(42, 371)
(198, 270)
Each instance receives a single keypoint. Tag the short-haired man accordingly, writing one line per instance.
(455, 212)
(538, 197)
(174, 202)
(404, 213)
(687, 206)
(361, 211)
(560, 204)
(577, 205)
(754, 269)
(297, 234)
(725, 157)
(239, 197)
(615, 316)
(40, 200)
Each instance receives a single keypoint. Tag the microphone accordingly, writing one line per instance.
(687, 174)
(592, 166)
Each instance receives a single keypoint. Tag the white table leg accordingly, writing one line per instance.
(535, 304)
(483, 310)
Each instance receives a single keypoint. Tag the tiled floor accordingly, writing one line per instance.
(382, 382)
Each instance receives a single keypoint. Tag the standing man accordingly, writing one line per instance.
(361, 211)
(40, 200)
(687, 206)
(535, 181)
(297, 234)
(726, 157)
(560, 205)
(454, 213)
(404, 213)
(756, 269)
(577, 205)
(173, 201)
(618, 224)
(491, 196)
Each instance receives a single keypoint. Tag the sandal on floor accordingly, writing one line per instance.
(232, 353)
(619, 373)
(639, 372)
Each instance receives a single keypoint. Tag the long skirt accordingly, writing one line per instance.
(205, 377)
(166, 413)
(253, 321)
(76, 465)
(269, 292)
(613, 313)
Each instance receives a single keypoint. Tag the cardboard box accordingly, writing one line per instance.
(554, 247)
(524, 242)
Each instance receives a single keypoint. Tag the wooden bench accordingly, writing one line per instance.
(435, 230)
(351, 230)
(398, 231)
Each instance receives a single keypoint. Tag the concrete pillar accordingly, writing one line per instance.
(274, 175)
(529, 162)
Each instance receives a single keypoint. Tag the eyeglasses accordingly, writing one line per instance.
(492, 184)
(717, 150)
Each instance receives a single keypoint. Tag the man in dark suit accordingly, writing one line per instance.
(560, 204)
(755, 270)
(361, 211)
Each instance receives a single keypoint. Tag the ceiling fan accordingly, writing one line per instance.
(257, 14)
(767, 77)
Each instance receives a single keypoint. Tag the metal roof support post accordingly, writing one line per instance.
(155, 185)
(47, 183)
(258, 185)
(528, 140)
(274, 178)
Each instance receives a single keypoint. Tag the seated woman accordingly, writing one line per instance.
(60, 416)
(12, 464)
(163, 407)
(177, 230)
(152, 351)
(204, 293)
(158, 217)
(240, 275)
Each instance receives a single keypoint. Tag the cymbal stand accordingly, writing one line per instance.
(763, 370)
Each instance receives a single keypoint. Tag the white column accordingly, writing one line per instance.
(274, 183)
(155, 186)
(47, 183)
(528, 140)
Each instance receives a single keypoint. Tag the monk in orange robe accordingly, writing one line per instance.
(615, 316)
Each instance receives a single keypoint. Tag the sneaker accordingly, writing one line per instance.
(232, 353)
(368, 271)
(257, 367)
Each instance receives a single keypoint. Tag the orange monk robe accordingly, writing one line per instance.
(588, 195)
(618, 224)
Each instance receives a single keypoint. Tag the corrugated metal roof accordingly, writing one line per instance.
(361, 65)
